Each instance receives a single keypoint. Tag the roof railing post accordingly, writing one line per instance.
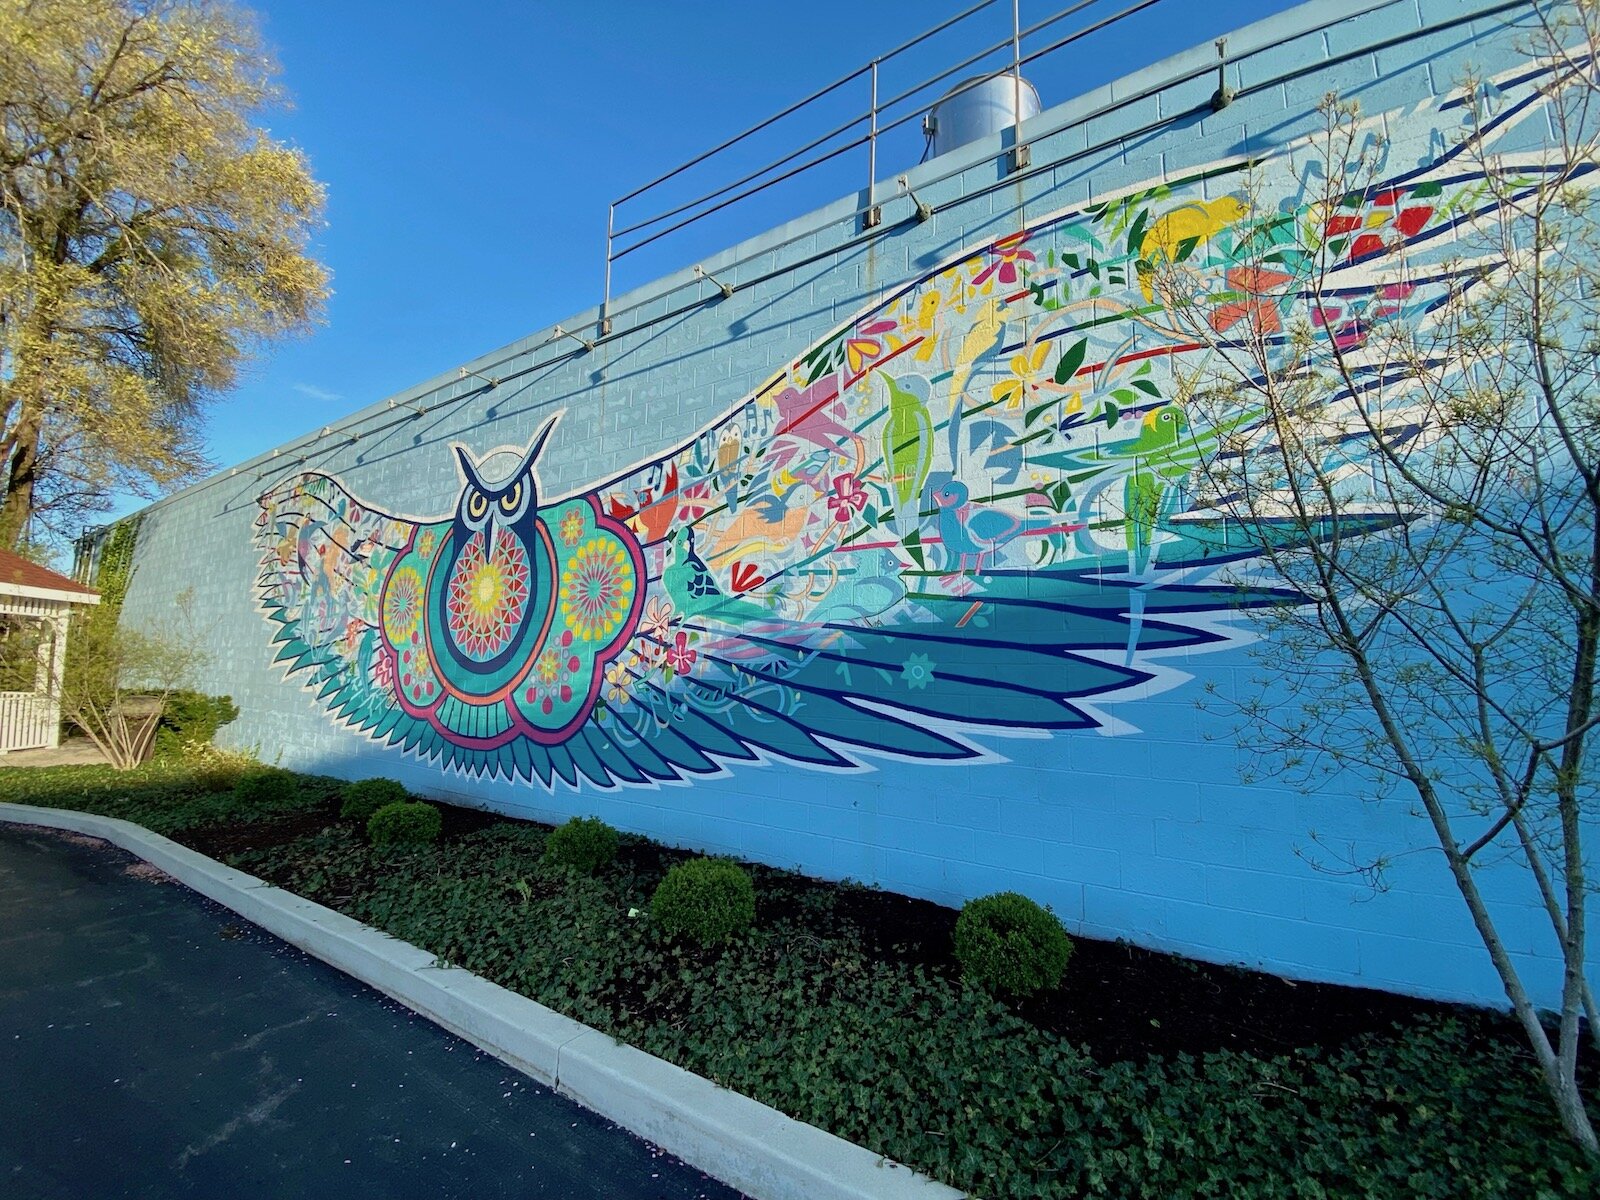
(605, 296)
(873, 216)
(1021, 157)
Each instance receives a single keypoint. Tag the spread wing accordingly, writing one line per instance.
(971, 510)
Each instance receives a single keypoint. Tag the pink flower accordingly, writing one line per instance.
(848, 497)
(1007, 253)
(658, 618)
(679, 655)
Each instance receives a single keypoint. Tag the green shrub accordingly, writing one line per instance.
(267, 787)
(1007, 943)
(190, 721)
(405, 823)
(366, 796)
(584, 844)
(707, 900)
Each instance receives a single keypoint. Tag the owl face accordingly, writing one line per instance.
(487, 506)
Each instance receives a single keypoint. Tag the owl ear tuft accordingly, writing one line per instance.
(465, 465)
(537, 445)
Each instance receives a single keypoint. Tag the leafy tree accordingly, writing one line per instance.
(1452, 656)
(152, 236)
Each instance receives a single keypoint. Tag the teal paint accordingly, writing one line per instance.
(1117, 809)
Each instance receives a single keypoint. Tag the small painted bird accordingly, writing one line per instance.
(968, 529)
(1176, 235)
(613, 635)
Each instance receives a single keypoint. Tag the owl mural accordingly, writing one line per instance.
(973, 509)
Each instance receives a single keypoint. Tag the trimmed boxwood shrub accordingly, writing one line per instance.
(707, 900)
(584, 844)
(267, 787)
(366, 796)
(405, 823)
(190, 720)
(1007, 943)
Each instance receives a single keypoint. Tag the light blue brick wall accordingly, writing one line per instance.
(1145, 833)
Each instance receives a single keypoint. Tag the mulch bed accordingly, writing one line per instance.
(1118, 1000)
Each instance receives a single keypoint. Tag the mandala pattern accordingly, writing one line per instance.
(597, 589)
(488, 595)
(402, 605)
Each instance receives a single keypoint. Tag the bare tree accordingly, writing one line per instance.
(1438, 468)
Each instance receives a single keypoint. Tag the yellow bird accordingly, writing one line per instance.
(1190, 222)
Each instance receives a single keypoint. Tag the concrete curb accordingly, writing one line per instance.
(745, 1144)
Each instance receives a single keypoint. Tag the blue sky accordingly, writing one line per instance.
(470, 153)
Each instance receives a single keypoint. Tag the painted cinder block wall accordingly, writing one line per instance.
(1140, 829)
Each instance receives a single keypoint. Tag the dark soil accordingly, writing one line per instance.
(1118, 1001)
(220, 841)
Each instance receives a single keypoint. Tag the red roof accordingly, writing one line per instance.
(17, 571)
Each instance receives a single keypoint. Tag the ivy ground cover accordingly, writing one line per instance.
(1143, 1075)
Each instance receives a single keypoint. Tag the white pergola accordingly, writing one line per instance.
(33, 594)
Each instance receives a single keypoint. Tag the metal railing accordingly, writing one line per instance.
(861, 128)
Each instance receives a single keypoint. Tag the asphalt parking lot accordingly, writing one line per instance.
(153, 1044)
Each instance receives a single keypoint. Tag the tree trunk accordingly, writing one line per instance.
(16, 506)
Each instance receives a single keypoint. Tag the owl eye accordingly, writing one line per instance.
(477, 504)
(512, 498)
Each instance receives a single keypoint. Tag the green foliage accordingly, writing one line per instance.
(405, 823)
(167, 797)
(190, 720)
(366, 796)
(583, 844)
(707, 900)
(269, 787)
(923, 1069)
(1007, 943)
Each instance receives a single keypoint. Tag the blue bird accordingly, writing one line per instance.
(978, 529)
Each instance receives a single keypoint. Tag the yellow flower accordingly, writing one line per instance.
(1025, 368)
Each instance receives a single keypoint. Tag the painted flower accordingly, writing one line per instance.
(402, 605)
(1024, 379)
(680, 655)
(1258, 303)
(553, 672)
(597, 589)
(572, 526)
(547, 668)
(416, 672)
(383, 675)
(617, 680)
(695, 501)
(859, 351)
(848, 497)
(658, 618)
(1004, 255)
(917, 671)
(426, 542)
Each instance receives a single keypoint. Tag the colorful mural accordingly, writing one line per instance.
(973, 509)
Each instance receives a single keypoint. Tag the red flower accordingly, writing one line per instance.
(848, 497)
(746, 577)
(1007, 253)
(1259, 307)
(679, 655)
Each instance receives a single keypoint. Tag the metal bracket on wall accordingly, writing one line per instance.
(1021, 159)
(725, 288)
(924, 209)
(558, 332)
(464, 372)
(1223, 96)
(873, 217)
